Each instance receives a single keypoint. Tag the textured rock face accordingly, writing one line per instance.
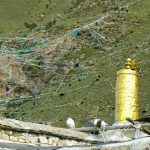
(68, 44)
(11, 74)
(18, 71)
(11, 70)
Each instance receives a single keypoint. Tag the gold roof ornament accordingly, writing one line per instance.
(126, 96)
(131, 63)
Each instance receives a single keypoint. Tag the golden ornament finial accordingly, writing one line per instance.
(128, 63)
(134, 64)
(131, 64)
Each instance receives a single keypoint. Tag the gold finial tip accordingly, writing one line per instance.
(131, 64)
(128, 60)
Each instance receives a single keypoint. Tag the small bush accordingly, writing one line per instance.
(79, 1)
(30, 26)
(1, 42)
(46, 6)
(50, 24)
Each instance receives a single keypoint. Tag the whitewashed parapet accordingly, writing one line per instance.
(25, 132)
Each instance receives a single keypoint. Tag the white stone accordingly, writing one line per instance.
(62, 143)
(5, 136)
(22, 140)
(50, 141)
(43, 139)
(55, 144)
(0, 135)
(34, 139)
(55, 139)
(14, 138)
(2, 131)
(68, 142)
(10, 132)
(26, 137)
(21, 137)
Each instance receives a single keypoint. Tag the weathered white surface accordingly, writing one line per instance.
(42, 135)
(119, 135)
(138, 144)
(8, 145)
(44, 129)
(45, 135)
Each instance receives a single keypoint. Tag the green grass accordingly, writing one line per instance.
(128, 36)
(14, 14)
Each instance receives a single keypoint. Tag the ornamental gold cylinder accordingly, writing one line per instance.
(126, 96)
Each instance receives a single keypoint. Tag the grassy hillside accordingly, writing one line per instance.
(56, 15)
(14, 14)
(90, 86)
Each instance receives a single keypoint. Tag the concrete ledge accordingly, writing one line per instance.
(137, 144)
(25, 132)
(27, 127)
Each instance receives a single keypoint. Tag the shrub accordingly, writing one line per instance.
(30, 25)
(1, 42)
(79, 1)
(50, 24)
(46, 6)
